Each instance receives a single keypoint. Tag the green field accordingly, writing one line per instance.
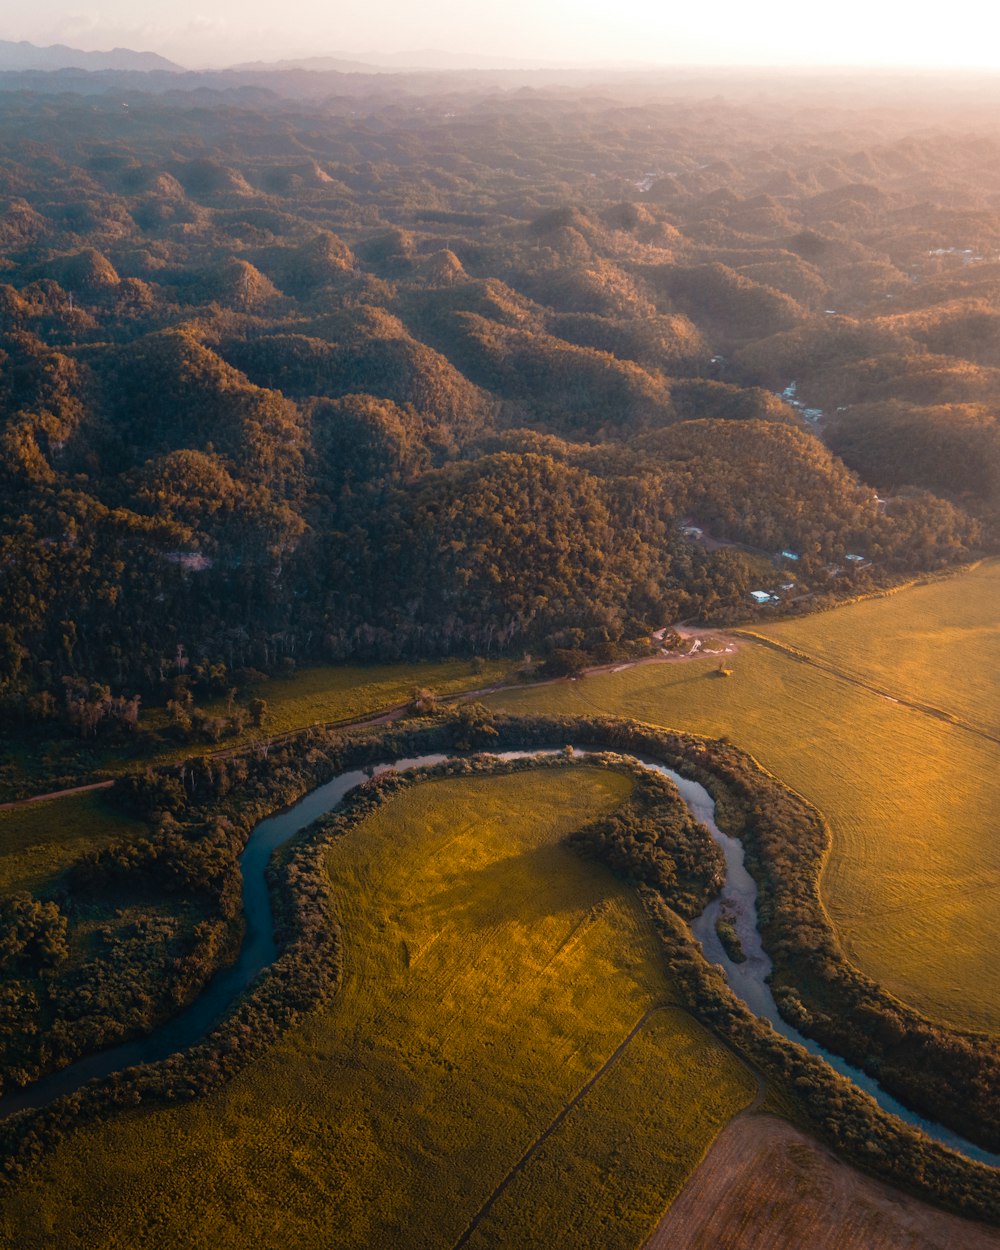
(347, 691)
(489, 975)
(937, 644)
(38, 840)
(309, 696)
(913, 882)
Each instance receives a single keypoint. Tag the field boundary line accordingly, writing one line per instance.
(824, 666)
(546, 1133)
(581, 1093)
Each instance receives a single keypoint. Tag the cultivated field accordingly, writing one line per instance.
(913, 882)
(765, 1186)
(937, 644)
(490, 974)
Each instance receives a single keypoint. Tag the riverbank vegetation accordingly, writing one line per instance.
(487, 974)
(908, 882)
(195, 716)
(758, 1163)
(784, 838)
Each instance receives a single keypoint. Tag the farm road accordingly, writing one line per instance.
(615, 1055)
(925, 709)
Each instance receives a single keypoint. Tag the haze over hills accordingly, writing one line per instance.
(362, 383)
(423, 59)
(28, 56)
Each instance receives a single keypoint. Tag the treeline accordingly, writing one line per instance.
(830, 1106)
(748, 803)
(940, 1072)
(653, 840)
(236, 382)
(128, 934)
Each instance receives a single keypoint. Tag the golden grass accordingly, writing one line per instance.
(913, 882)
(341, 692)
(489, 974)
(576, 1191)
(937, 644)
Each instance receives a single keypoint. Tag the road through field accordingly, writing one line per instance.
(540, 1140)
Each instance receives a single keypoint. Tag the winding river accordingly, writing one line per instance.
(748, 980)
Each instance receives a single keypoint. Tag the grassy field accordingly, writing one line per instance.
(37, 841)
(490, 973)
(575, 1191)
(913, 882)
(937, 644)
(311, 695)
(342, 692)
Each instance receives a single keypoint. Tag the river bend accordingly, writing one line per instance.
(738, 896)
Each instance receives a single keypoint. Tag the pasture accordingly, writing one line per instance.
(39, 840)
(913, 880)
(489, 976)
(937, 644)
(348, 691)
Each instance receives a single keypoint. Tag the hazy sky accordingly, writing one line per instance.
(880, 32)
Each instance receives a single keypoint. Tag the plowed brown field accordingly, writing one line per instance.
(766, 1186)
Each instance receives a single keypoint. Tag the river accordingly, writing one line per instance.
(738, 896)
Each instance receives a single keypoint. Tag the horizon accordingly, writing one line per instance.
(552, 35)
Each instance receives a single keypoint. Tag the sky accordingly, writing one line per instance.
(962, 33)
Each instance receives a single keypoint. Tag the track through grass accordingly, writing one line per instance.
(489, 974)
(320, 694)
(913, 880)
(937, 644)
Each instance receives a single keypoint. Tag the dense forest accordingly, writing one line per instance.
(391, 374)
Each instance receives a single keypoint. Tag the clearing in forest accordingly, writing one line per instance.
(38, 841)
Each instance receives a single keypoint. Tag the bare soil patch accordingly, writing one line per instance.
(766, 1186)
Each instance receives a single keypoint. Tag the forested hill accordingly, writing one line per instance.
(420, 374)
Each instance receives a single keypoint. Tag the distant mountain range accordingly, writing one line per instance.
(28, 56)
(334, 64)
(425, 59)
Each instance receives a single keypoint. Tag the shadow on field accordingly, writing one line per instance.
(526, 887)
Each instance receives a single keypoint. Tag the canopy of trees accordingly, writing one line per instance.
(328, 383)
